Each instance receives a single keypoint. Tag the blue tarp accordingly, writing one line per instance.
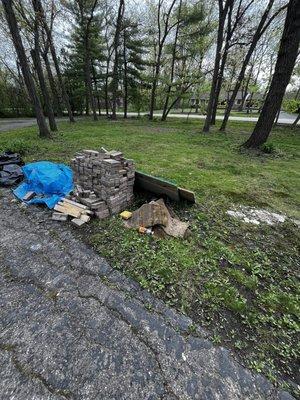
(48, 180)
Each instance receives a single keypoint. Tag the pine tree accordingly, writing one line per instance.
(83, 55)
(133, 64)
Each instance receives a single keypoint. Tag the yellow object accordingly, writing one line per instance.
(126, 214)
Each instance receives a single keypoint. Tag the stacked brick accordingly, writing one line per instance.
(104, 181)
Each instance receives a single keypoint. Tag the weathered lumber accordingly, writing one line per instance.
(67, 210)
(161, 186)
(187, 195)
(74, 203)
(77, 222)
(156, 185)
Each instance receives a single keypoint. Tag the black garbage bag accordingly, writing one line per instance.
(9, 157)
(10, 169)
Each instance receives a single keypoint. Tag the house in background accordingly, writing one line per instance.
(200, 101)
(242, 101)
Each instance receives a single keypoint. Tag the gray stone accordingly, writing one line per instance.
(57, 216)
(78, 222)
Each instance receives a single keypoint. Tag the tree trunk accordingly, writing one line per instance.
(38, 67)
(35, 54)
(16, 37)
(96, 87)
(164, 114)
(296, 121)
(223, 60)
(125, 76)
(218, 88)
(246, 88)
(106, 96)
(161, 41)
(154, 86)
(55, 95)
(115, 80)
(212, 95)
(88, 79)
(286, 59)
(257, 35)
(39, 8)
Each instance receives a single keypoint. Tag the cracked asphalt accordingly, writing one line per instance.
(72, 327)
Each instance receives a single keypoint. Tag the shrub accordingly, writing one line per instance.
(291, 105)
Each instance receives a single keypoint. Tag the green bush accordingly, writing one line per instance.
(291, 105)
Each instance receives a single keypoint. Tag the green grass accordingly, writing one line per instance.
(238, 280)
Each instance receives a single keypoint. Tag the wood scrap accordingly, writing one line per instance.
(85, 218)
(77, 222)
(74, 212)
(75, 203)
(187, 195)
(161, 186)
(28, 196)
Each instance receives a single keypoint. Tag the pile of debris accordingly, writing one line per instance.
(103, 186)
(104, 183)
(66, 207)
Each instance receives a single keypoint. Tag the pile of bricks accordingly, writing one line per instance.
(104, 181)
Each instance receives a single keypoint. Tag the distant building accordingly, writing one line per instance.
(243, 100)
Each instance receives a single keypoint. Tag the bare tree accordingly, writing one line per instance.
(56, 95)
(115, 77)
(17, 40)
(39, 8)
(232, 38)
(174, 50)
(223, 11)
(35, 54)
(163, 18)
(263, 24)
(87, 13)
(287, 55)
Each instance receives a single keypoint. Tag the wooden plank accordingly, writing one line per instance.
(74, 203)
(162, 187)
(85, 218)
(70, 206)
(66, 210)
(156, 185)
(187, 195)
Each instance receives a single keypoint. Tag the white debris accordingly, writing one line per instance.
(256, 216)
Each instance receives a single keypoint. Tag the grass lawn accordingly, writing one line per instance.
(241, 281)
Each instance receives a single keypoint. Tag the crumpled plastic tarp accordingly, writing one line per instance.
(50, 181)
(10, 170)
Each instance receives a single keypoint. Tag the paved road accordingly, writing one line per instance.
(9, 124)
(72, 327)
(284, 119)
